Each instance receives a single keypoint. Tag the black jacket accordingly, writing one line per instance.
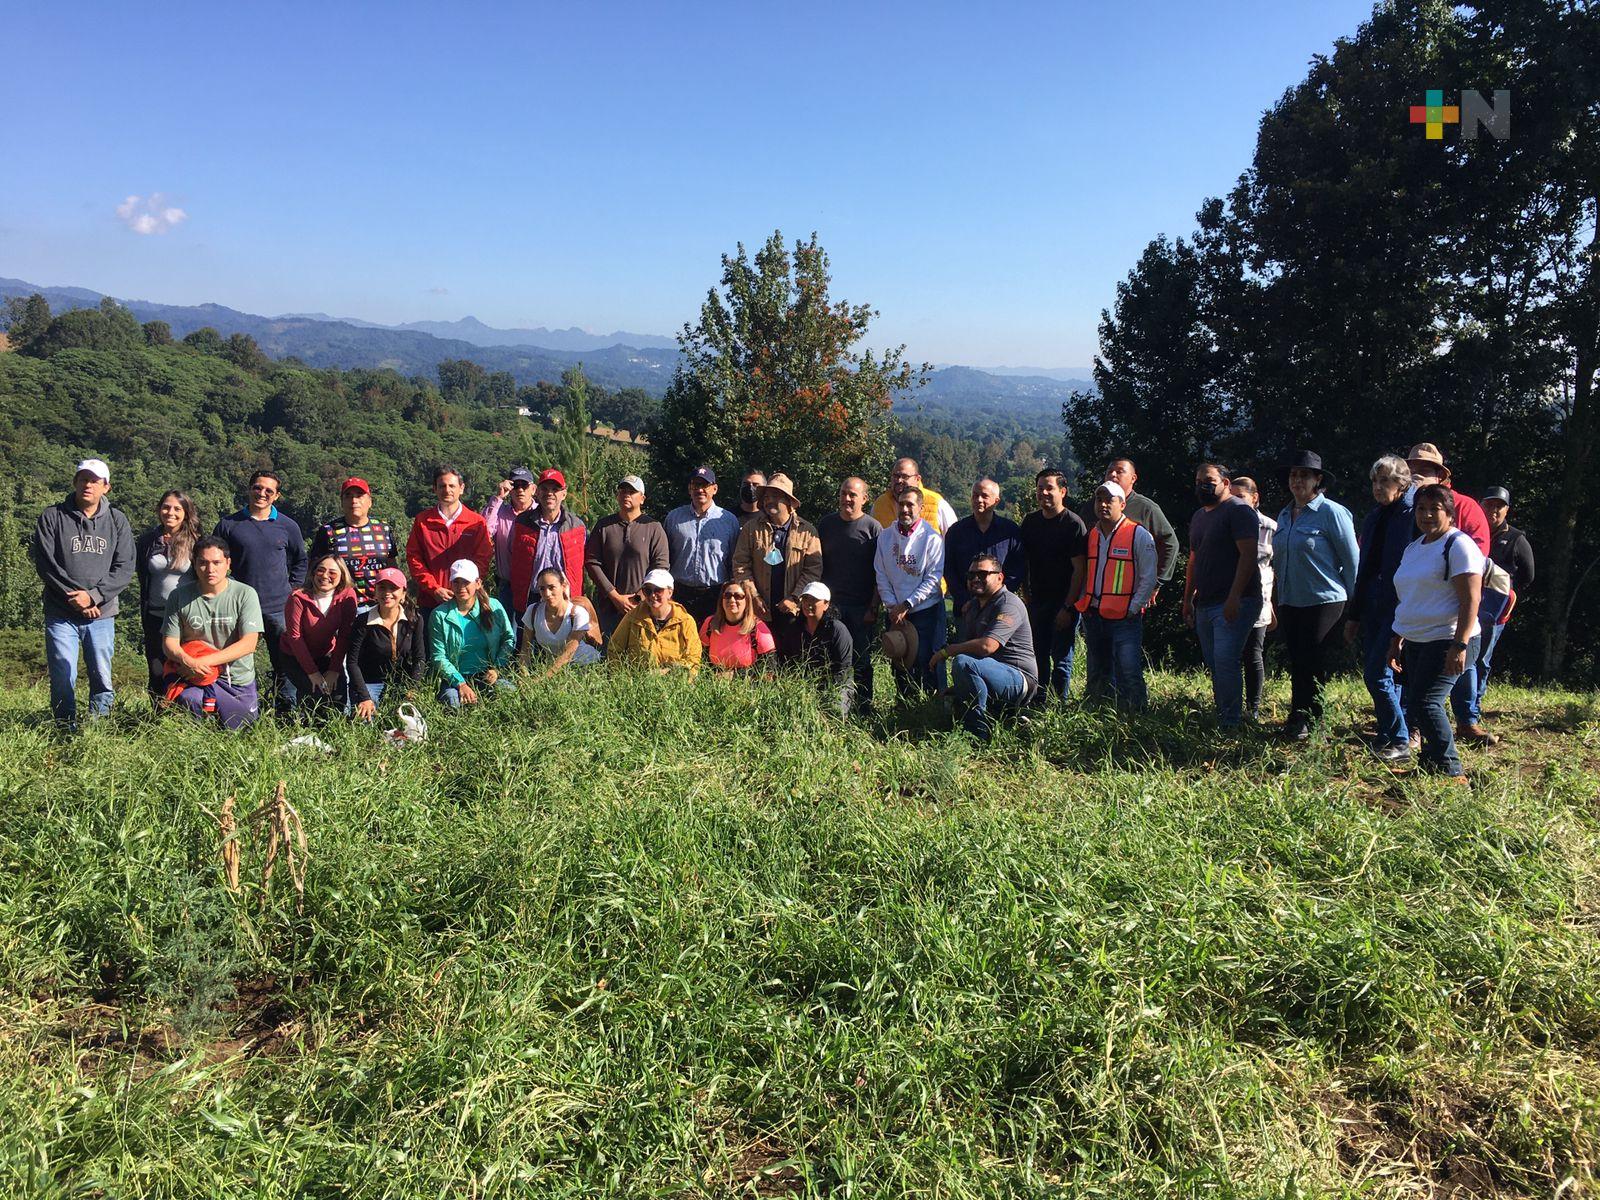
(374, 655)
(1513, 554)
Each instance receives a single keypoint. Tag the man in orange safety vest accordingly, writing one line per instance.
(1122, 577)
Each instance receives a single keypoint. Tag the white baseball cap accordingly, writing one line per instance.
(96, 467)
(818, 589)
(1113, 487)
(464, 568)
(658, 578)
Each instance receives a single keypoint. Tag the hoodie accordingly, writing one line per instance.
(76, 553)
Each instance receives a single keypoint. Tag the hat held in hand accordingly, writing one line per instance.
(899, 644)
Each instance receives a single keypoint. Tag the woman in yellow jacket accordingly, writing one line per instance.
(659, 633)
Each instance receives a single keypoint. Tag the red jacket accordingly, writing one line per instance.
(1471, 521)
(525, 544)
(433, 546)
(318, 640)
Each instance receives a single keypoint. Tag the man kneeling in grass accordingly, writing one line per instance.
(218, 612)
(994, 664)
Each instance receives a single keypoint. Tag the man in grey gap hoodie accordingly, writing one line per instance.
(83, 551)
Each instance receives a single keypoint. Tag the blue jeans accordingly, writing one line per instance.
(281, 695)
(450, 693)
(931, 635)
(1388, 701)
(1052, 647)
(62, 641)
(1222, 646)
(1427, 689)
(1467, 696)
(1116, 659)
(982, 683)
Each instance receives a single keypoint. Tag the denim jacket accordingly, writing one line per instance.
(1314, 555)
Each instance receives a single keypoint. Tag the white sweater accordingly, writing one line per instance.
(909, 566)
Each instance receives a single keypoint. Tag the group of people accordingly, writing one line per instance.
(982, 609)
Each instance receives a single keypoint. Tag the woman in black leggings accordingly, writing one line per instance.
(1255, 662)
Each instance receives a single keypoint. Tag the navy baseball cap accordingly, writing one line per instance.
(704, 475)
(521, 475)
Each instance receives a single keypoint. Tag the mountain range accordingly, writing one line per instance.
(965, 396)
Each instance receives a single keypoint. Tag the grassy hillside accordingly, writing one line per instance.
(623, 936)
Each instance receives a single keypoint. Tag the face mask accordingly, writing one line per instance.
(1206, 493)
(773, 557)
(749, 493)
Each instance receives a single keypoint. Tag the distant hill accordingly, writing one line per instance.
(470, 329)
(321, 342)
(964, 397)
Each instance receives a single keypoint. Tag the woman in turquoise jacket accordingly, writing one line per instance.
(1314, 560)
(470, 639)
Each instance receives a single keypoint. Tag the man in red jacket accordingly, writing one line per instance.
(442, 534)
(1427, 466)
(546, 535)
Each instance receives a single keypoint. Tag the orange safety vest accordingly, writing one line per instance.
(1117, 582)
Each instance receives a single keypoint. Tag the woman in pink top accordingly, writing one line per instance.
(317, 623)
(735, 639)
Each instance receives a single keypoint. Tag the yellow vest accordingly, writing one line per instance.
(886, 514)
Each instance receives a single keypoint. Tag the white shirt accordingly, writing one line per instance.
(554, 641)
(1264, 561)
(909, 567)
(1428, 602)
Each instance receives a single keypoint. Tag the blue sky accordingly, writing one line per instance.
(982, 177)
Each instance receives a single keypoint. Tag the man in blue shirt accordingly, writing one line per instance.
(700, 538)
(269, 555)
(984, 532)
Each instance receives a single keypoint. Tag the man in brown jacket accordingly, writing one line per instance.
(780, 553)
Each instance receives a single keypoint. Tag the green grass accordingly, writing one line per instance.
(624, 936)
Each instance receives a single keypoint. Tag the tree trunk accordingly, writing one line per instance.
(1580, 437)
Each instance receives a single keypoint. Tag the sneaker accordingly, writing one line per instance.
(1393, 752)
(1476, 735)
(1415, 741)
(1297, 729)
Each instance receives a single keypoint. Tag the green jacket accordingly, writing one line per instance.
(459, 647)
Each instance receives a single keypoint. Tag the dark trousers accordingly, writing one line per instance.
(1255, 670)
(1052, 647)
(786, 635)
(1308, 634)
(155, 658)
(701, 602)
(1427, 694)
(281, 692)
(854, 618)
(310, 703)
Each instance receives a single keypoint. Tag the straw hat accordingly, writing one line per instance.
(784, 486)
(899, 644)
(1427, 452)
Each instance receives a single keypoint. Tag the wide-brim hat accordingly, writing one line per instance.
(782, 484)
(1307, 460)
(899, 644)
(1427, 452)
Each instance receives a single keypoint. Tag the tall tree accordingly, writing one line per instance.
(1156, 397)
(771, 377)
(26, 318)
(573, 443)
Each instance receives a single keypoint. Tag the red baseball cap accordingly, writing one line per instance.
(551, 475)
(355, 482)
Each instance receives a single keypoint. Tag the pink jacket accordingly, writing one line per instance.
(318, 640)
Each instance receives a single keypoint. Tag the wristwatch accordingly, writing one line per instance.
(1458, 645)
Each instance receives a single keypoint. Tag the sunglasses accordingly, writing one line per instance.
(653, 591)
(519, 484)
(981, 574)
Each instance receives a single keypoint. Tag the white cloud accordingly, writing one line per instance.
(150, 214)
(438, 291)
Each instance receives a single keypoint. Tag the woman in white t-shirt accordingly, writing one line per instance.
(1438, 583)
(556, 625)
(1255, 642)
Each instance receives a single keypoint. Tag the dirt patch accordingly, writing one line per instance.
(258, 1020)
(762, 1169)
(1434, 1145)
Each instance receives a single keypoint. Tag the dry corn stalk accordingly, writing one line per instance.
(287, 836)
(228, 828)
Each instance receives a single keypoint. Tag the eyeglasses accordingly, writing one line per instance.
(519, 484)
(733, 597)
